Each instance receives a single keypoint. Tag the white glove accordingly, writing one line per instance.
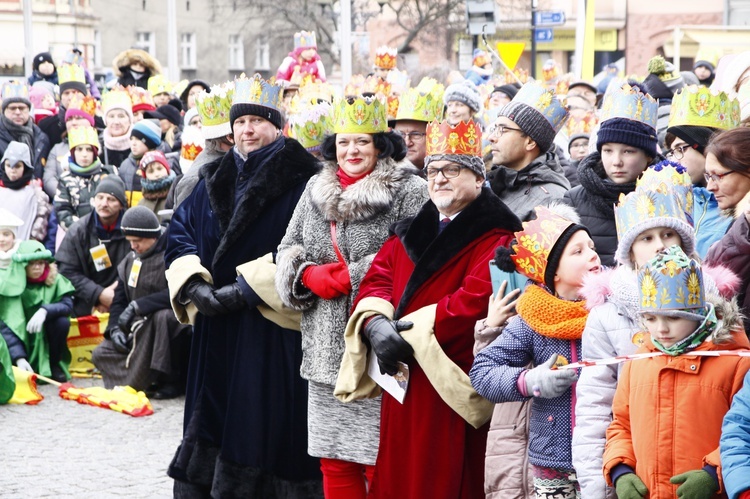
(544, 382)
(24, 365)
(36, 322)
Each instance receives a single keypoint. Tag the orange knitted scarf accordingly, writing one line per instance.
(551, 316)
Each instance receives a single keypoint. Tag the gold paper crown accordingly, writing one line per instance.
(116, 99)
(141, 99)
(536, 241)
(214, 108)
(520, 73)
(463, 139)
(71, 72)
(359, 115)
(315, 91)
(581, 125)
(354, 87)
(87, 104)
(385, 57)
(258, 91)
(699, 106)
(159, 85)
(83, 135)
(305, 39)
(423, 102)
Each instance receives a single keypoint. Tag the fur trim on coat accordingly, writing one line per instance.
(129, 56)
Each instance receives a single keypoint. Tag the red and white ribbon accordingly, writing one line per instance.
(647, 355)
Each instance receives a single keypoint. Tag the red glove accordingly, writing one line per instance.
(327, 281)
(745, 494)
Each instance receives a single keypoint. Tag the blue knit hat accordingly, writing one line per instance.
(149, 132)
(630, 132)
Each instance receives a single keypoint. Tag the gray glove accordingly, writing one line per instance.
(36, 323)
(544, 382)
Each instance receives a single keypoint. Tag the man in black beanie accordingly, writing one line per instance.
(145, 346)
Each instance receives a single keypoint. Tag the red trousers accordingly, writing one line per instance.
(344, 479)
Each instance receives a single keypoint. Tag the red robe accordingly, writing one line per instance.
(427, 449)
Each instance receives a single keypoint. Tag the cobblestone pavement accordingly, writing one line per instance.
(62, 449)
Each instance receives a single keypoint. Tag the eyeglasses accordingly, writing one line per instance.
(678, 152)
(413, 136)
(450, 171)
(716, 177)
(18, 108)
(501, 129)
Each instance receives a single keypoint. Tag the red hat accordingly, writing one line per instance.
(155, 156)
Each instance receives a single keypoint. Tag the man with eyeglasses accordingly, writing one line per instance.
(526, 169)
(17, 124)
(418, 304)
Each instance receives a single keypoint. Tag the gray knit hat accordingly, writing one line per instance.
(532, 122)
(139, 221)
(465, 92)
(473, 163)
(114, 186)
(15, 152)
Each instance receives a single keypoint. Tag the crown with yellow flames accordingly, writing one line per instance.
(116, 99)
(14, 90)
(699, 106)
(305, 39)
(386, 57)
(159, 84)
(585, 124)
(87, 104)
(141, 99)
(313, 91)
(83, 135)
(310, 125)
(214, 108)
(536, 241)
(71, 72)
(359, 115)
(258, 91)
(462, 139)
(423, 102)
(664, 191)
(520, 73)
(629, 102)
(359, 85)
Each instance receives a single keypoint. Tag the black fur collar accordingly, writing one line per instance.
(430, 251)
(287, 169)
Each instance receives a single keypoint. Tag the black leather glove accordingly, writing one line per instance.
(389, 346)
(202, 294)
(128, 316)
(230, 296)
(120, 340)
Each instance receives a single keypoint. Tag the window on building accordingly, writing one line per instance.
(262, 54)
(188, 49)
(236, 52)
(145, 40)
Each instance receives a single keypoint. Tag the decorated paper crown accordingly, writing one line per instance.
(563, 84)
(311, 125)
(83, 135)
(536, 241)
(581, 125)
(392, 105)
(159, 84)
(629, 102)
(192, 146)
(87, 104)
(664, 192)
(359, 115)
(385, 57)
(399, 81)
(116, 99)
(481, 58)
(463, 139)
(71, 72)
(15, 89)
(305, 39)
(551, 70)
(671, 281)
(377, 86)
(423, 102)
(520, 73)
(141, 98)
(354, 87)
(535, 95)
(257, 91)
(699, 106)
(314, 91)
(214, 108)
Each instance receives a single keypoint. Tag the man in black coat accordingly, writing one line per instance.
(17, 124)
(245, 427)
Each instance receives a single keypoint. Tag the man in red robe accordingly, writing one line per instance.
(427, 287)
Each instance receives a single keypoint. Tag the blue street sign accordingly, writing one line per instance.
(549, 18)
(543, 35)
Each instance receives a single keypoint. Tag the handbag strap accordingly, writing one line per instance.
(335, 244)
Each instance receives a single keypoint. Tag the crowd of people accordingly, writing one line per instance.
(276, 250)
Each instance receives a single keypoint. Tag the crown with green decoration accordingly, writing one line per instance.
(14, 89)
(359, 115)
(423, 102)
(71, 72)
(699, 106)
(671, 281)
(84, 135)
(305, 39)
(310, 125)
(159, 85)
(257, 91)
(214, 107)
(629, 102)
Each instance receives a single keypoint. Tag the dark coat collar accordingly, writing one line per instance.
(288, 168)
(430, 251)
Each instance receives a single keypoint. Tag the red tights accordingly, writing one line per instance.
(344, 479)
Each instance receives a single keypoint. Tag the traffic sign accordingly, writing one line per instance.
(549, 18)
(543, 35)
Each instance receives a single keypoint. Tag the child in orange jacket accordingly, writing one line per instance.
(668, 409)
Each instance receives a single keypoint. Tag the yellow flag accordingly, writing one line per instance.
(26, 392)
